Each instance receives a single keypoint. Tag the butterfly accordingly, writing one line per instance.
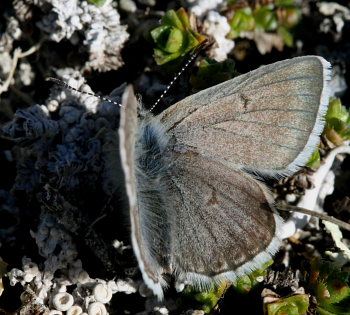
(199, 209)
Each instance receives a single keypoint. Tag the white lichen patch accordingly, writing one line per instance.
(87, 294)
(217, 26)
(100, 26)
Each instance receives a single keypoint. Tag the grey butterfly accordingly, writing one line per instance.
(198, 207)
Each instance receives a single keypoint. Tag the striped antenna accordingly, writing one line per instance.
(103, 98)
(192, 57)
(67, 86)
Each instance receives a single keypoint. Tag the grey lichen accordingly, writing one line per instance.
(62, 149)
(48, 289)
(97, 29)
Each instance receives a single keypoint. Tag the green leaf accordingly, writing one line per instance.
(183, 16)
(331, 287)
(162, 58)
(174, 41)
(246, 283)
(286, 35)
(314, 160)
(207, 300)
(242, 21)
(266, 18)
(293, 305)
(171, 19)
(337, 110)
(160, 34)
(338, 122)
(175, 37)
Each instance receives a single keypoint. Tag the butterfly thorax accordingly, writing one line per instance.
(152, 187)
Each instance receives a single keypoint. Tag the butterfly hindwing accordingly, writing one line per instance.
(223, 226)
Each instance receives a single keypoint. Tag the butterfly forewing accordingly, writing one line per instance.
(246, 120)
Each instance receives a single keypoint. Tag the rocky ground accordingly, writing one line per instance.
(64, 231)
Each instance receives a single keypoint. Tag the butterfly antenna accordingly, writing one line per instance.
(67, 86)
(188, 62)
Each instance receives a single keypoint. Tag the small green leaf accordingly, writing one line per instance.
(293, 305)
(162, 58)
(160, 35)
(314, 160)
(331, 287)
(175, 37)
(246, 283)
(286, 35)
(337, 128)
(207, 300)
(183, 16)
(242, 21)
(337, 110)
(266, 18)
(171, 19)
(174, 42)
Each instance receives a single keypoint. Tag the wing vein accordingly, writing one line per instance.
(273, 125)
(284, 80)
(257, 139)
(236, 90)
(195, 233)
(279, 110)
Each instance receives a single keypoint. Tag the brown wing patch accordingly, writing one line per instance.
(223, 218)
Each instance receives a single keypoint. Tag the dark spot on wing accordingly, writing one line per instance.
(245, 100)
(191, 153)
(183, 118)
(213, 200)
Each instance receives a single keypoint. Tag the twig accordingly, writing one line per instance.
(319, 215)
(17, 54)
(310, 200)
